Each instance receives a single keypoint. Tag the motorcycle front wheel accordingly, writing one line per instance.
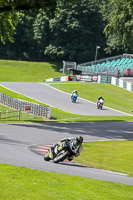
(46, 157)
(74, 100)
(60, 157)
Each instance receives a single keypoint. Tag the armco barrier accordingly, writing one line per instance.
(17, 104)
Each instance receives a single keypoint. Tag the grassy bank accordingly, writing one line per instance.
(24, 117)
(22, 183)
(114, 96)
(22, 71)
(110, 155)
(58, 114)
(63, 116)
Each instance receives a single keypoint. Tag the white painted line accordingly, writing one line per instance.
(67, 94)
(89, 101)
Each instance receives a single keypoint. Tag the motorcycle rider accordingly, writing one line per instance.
(77, 141)
(100, 97)
(74, 93)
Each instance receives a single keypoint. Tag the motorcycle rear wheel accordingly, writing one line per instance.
(61, 157)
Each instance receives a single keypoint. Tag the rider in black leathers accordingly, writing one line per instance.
(78, 141)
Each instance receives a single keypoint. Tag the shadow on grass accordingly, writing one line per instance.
(56, 66)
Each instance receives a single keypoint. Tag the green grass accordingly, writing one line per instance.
(56, 113)
(114, 96)
(110, 155)
(26, 184)
(60, 115)
(24, 117)
(22, 71)
(19, 183)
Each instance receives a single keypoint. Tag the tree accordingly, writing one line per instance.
(19, 5)
(74, 31)
(10, 10)
(41, 30)
(119, 28)
(8, 22)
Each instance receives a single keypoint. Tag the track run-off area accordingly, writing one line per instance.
(25, 144)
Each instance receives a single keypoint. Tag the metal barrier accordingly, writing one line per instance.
(35, 109)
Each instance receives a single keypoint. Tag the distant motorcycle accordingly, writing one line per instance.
(100, 104)
(63, 151)
(74, 98)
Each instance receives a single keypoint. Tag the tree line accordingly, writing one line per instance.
(56, 30)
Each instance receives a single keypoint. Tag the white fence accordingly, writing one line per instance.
(35, 109)
(122, 83)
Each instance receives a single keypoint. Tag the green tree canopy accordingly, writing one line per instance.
(119, 28)
(9, 5)
(10, 10)
(74, 31)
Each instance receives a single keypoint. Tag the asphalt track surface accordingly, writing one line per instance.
(56, 98)
(18, 142)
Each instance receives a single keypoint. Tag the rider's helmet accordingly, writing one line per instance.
(79, 139)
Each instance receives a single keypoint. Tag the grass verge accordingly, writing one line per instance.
(22, 71)
(22, 183)
(24, 117)
(62, 116)
(110, 155)
(115, 97)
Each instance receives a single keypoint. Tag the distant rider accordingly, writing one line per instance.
(100, 97)
(77, 141)
(74, 93)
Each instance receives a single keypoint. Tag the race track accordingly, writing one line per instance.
(18, 139)
(59, 99)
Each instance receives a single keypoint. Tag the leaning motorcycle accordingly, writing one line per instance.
(62, 152)
(100, 104)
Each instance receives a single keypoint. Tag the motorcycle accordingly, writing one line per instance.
(100, 104)
(62, 151)
(74, 98)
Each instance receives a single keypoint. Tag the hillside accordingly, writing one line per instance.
(22, 71)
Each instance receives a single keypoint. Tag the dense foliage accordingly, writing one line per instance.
(119, 28)
(73, 33)
(10, 10)
(65, 30)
